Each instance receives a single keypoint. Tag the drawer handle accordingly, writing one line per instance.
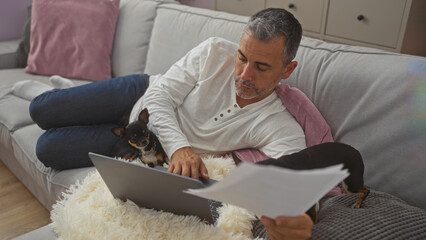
(291, 6)
(360, 17)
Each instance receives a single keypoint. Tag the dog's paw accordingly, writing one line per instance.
(356, 205)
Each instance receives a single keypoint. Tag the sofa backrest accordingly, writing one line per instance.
(372, 99)
(179, 28)
(133, 33)
(375, 101)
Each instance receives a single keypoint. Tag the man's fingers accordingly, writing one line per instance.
(267, 221)
(171, 168)
(186, 171)
(187, 163)
(177, 169)
(195, 172)
(204, 172)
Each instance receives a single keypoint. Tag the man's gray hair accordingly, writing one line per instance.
(272, 22)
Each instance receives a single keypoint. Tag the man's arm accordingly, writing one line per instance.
(162, 99)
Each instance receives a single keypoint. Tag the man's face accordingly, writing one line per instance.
(259, 68)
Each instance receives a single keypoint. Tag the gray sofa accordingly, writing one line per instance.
(372, 99)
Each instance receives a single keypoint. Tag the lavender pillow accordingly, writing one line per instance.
(72, 38)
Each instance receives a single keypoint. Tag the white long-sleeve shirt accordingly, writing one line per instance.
(194, 104)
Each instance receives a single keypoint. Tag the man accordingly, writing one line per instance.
(218, 98)
(236, 87)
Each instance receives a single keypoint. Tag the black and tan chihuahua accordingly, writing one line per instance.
(137, 141)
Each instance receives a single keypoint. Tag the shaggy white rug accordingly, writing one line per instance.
(89, 211)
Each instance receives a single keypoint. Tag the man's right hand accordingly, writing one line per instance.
(187, 163)
(299, 227)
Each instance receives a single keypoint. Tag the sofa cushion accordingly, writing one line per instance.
(374, 101)
(8, 54)
(12, 112)
(24, 142)
(61, 46)
(170, 36)
(53, 181)
(134, 27)
(5, 137)
(382, 216)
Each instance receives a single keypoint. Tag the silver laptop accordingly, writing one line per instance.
(153, 188)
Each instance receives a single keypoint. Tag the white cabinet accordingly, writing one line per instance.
(309, 12)
(393, 25)
(378, 22)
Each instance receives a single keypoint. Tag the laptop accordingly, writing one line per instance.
(153, 188)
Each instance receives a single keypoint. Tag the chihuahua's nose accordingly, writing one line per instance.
(144, 142)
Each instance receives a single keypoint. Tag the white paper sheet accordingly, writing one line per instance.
(272, 191)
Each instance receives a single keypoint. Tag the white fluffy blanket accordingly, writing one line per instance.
(89, 211)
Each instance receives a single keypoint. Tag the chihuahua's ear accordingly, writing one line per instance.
(119, 131)
(144, 115)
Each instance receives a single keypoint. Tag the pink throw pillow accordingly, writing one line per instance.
(306, 114)
(72, 38)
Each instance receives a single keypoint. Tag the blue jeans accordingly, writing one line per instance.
(79, 120)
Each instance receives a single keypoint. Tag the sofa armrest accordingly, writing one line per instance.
(8, 54)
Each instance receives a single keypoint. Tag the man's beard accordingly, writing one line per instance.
(251, 93)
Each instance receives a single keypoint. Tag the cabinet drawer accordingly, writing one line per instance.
(308, 12)
(241, 7)
(377, 22)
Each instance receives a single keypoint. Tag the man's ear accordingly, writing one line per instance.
(144, 116)
(288, 70)
(119, 131)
